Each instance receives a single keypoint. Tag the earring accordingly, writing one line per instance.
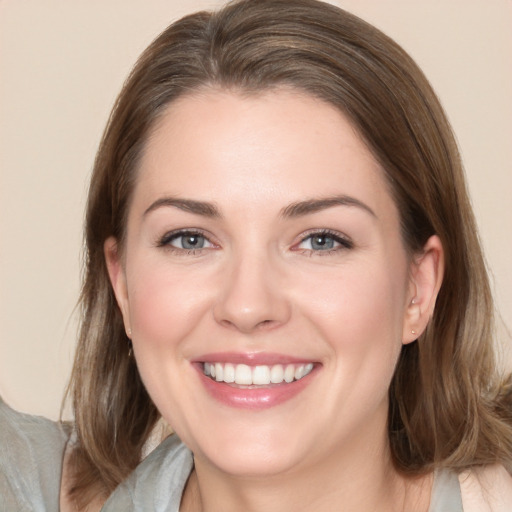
(130, 349)
(413, 332)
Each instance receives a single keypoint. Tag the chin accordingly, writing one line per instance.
(256, 456)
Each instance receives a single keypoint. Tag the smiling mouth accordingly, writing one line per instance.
(260, 375)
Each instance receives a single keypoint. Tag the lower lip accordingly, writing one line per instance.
(254, 398)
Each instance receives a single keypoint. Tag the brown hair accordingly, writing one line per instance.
(446, 404)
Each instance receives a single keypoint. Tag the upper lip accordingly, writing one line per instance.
(251, 358)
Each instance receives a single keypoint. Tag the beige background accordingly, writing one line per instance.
(61, 65)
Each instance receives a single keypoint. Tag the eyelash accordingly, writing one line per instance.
(165, 241)
(342, 240)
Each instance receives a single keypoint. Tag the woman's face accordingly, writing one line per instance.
(263, 246)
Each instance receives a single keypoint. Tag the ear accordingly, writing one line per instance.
(425, 279)
(117, 277)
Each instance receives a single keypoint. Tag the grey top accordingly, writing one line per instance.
(158, 481)
(446, 496)
(31, 453)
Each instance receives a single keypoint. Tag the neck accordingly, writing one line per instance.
(358, 476)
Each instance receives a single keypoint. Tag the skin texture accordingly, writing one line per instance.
(259, 286)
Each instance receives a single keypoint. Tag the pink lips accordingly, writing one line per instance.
(252, 397)
(252, 359)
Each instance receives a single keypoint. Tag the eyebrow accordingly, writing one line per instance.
(302, 208)
(298, 209)
(188, 205)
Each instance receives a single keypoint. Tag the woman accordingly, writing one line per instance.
(284, 266)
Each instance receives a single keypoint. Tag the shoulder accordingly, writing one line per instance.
(486, 489)
(158, 481)
(31, 451)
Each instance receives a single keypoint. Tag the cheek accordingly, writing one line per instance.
(360, 315)
(166, 308)
(357, 302)
(165, 304)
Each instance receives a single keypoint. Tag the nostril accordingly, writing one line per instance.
(264, 323)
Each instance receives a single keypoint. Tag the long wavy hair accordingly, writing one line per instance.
(448, 405)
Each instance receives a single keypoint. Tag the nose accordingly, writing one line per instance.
(253, 295)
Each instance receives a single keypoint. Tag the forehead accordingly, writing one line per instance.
(277, 146)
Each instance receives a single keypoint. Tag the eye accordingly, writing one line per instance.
(324, 241)
(186, 240)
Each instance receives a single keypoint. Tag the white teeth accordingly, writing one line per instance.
(289, 373)
(243, 374)
(277, 374)
(261, 375)
(219, 372)
(229, 373)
